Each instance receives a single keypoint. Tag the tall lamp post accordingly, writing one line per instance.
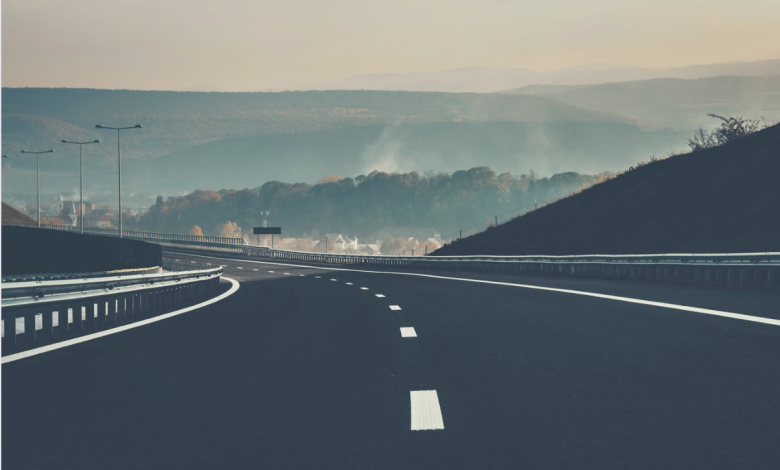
(38, 173)
(119, 160)
(81, 175)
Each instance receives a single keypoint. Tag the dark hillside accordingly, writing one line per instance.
(725, 199)
(9, 214)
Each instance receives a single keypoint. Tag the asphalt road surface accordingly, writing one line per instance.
(317, 368)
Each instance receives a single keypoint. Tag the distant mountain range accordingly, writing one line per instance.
(488, 79)
(671, 102)
(212, 140)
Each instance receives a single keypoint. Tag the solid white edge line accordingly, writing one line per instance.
(119, 329)
(706, 311)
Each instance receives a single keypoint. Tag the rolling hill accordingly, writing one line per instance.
(672, 102)
(718, 200)
(198, 140)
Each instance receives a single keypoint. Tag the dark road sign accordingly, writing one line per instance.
(267, 230)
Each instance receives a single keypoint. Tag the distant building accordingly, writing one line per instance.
(418, 233)
(372, 250)
(106, 220)
(435, 242)
(339, 243)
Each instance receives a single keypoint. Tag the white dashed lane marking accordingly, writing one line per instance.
(364, 288)
(334, 279)
(240, 267)
(286, 274)
(318, 277)
(379, 295)
(408, 332)
(426, 412)
(270, 271)
(254, 270)
(348, 283)
(302, 275)
(395, 307)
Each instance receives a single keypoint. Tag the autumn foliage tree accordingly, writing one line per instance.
(230, 230)
(195, 230)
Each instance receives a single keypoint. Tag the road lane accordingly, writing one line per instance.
(302, 372)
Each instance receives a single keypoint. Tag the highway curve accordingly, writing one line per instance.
(307, 368)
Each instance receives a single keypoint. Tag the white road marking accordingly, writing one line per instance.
(395, 307)
(348, 283)
(318, 277)
(408, 332)
(364, 288)
(192, 261)
(334, 279)
(254, 270)
(705, 311)
(379, 295)
(426, 412)
(286, 274)
(82, 339)
(240, 267)
(302, 275)
(270, 271)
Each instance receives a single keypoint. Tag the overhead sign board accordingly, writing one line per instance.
(267, 230)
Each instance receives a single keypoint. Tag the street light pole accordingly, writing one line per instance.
(119, 160)
(38, 175)
(81, 175)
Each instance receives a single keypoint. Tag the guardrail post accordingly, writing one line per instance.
(47, 321)
(29, 324)
(9, 327)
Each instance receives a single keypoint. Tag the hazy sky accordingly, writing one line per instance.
(239, 45)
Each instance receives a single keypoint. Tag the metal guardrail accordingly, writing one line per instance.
(53, 310)
(79, 275)
(148, 236)
(742, 269)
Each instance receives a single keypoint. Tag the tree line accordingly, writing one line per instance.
(360, 206)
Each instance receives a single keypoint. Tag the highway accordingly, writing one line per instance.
(317, 367)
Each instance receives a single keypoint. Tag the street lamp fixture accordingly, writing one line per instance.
(38, 173)
(81, 175)
(119, 160)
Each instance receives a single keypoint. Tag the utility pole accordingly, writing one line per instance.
(326, 244)
(265, 224)
(119, 163)
(81, 175)
(38, 176)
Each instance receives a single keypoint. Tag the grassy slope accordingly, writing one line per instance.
(721, 200)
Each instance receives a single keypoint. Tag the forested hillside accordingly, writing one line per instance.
(362, 205)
